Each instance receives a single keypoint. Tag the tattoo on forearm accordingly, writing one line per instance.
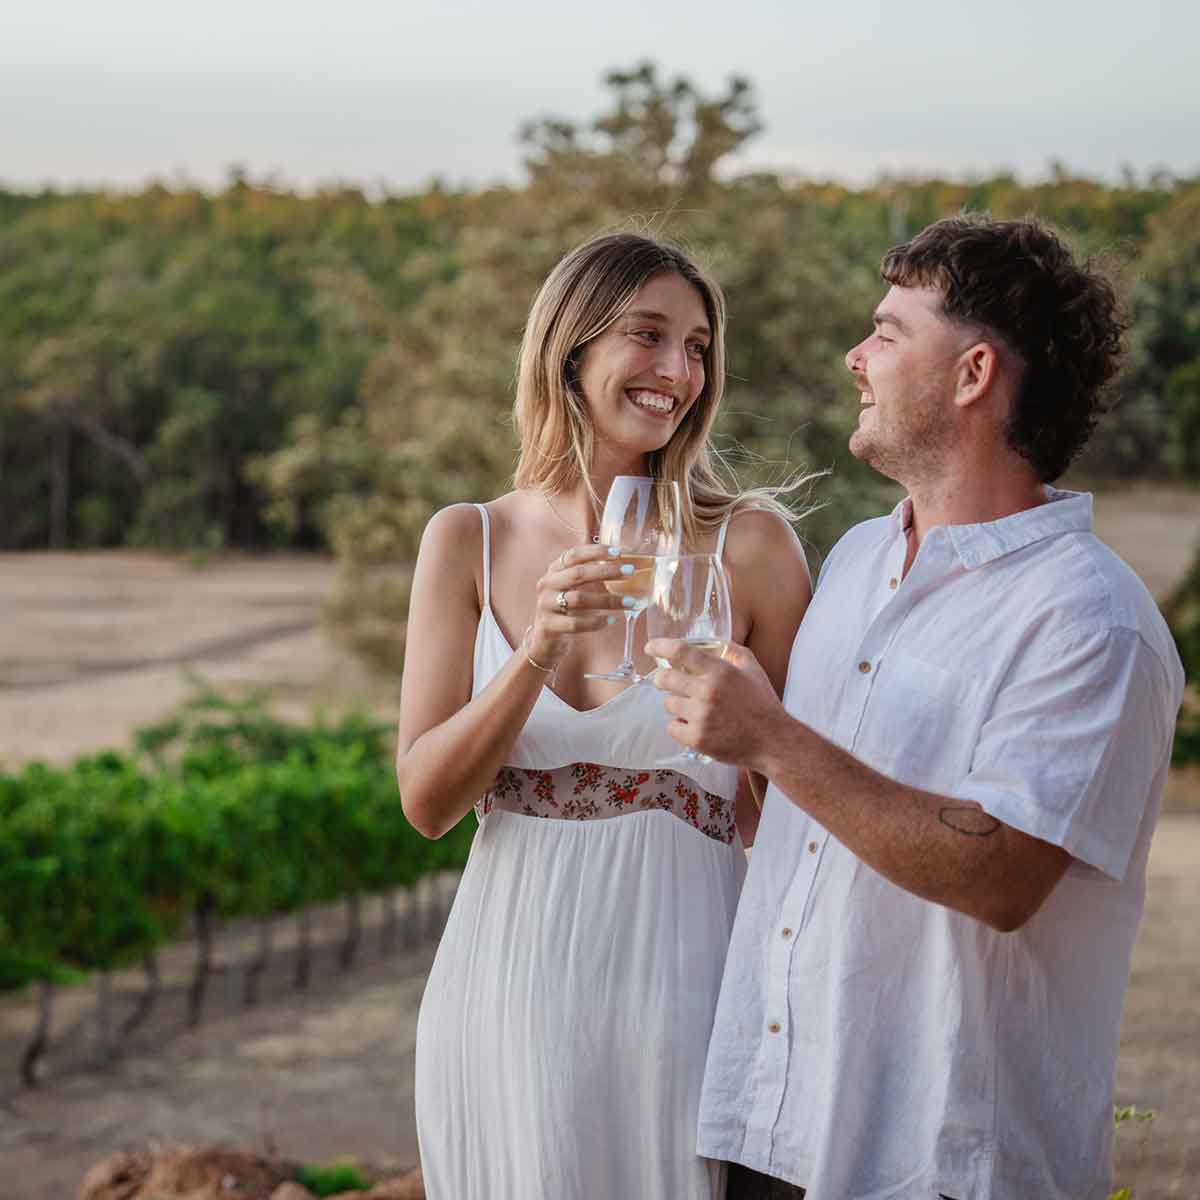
(968, 819)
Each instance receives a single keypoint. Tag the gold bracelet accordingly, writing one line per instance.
(533, 662)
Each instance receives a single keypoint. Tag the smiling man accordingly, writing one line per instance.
(923, 991)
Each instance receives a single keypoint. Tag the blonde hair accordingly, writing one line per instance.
(582, 296)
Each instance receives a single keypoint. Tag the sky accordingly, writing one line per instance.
(395, 93)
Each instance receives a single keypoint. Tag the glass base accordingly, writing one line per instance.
(684, 759)
(616, 676)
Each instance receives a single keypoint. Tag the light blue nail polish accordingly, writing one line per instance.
(628, 602)
(614, 551)
(627, 568)
(612, 620)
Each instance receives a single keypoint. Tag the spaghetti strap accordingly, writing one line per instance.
(487, 557)
(721, 537)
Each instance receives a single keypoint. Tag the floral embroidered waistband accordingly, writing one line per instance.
(587, 792)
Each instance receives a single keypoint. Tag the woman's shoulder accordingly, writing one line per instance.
(456, 532)
(759, 536)
(453, 549)
(770, 579)
(463, 520)
(453, 525)
(766, 562)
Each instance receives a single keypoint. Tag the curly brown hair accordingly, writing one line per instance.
(1018, 280)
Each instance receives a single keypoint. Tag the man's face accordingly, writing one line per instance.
(905, 371)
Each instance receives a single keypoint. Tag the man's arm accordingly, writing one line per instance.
(943, 849)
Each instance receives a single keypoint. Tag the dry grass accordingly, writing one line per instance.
(92, 646)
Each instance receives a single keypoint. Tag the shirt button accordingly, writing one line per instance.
(893, 584)
(812, 847)
(787, 931)
(864, 667)
(774, 1027)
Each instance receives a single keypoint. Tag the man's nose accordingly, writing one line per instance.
(854, 359)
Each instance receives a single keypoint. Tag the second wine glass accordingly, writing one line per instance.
(642, 517)
(690, 600)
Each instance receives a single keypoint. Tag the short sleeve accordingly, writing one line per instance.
(1073, 743)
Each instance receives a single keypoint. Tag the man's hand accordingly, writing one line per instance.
(724, 707)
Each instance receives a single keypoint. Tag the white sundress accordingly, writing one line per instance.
(563, 1030)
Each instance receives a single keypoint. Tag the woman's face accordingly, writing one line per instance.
(644, 372)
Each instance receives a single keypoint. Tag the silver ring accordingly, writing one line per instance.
(560, 602)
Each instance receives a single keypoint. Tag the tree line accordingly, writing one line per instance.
(256, 368)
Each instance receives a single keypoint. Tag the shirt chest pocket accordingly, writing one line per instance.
(920, 723)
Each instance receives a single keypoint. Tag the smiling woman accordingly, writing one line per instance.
(648, 365)
(594, 913)
(624, 326)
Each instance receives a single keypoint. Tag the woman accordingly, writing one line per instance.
(561, 1041)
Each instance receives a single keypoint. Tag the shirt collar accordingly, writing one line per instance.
(1063, 512)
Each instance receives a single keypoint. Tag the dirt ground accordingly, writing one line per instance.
(313, 1076)
(327, 1073)
(94, 645)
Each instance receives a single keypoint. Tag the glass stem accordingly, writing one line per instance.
(626, 667)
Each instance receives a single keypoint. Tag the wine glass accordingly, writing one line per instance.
(689, 600)
(642, 517)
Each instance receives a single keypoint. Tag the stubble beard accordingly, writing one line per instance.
(868, 449)
(913, 450)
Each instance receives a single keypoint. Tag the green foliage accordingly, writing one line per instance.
(1182, 611)
(1131, 1112)
(333, 1178)
(153, 344)
(1126, 1114)
(658, 135)
(225, 805)
(1156, 425)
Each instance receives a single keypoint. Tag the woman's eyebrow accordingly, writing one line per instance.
(648, 314)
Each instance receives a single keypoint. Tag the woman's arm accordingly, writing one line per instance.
(747, 808)
(771, 589)
(451, 746)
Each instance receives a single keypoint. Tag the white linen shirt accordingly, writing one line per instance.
(871, 1045)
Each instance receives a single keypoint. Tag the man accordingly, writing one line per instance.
(924, 985)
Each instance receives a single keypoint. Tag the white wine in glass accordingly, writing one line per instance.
(710, 645)
(642, 517)
(637, 585)
(689, 600)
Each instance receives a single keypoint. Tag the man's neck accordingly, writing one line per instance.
(969, 499)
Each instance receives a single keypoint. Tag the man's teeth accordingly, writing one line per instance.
(654, 401)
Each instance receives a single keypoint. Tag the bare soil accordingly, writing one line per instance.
(309, 1076)
(94, 645)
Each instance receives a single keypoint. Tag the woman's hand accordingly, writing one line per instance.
(571, 599)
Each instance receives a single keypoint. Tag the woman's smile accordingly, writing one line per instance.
(659, 404)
